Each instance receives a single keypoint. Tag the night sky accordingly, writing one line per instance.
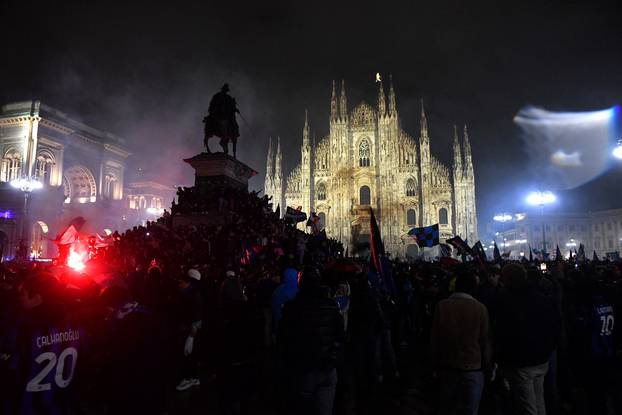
(147, 72)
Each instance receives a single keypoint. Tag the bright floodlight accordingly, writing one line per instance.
(26, 184)
(617, 151)
(503, 217)
(541, 198)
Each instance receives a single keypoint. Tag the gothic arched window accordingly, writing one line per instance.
(411, 217)
(364, 153)
(365, 195)
(321, 191)
(442, 216)
(411, 188)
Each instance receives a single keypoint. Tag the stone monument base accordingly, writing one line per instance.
(214, 170)
(221, 170)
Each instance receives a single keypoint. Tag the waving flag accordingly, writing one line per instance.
(295, 215)
(462, 247)
(426, 237)
(377, 247)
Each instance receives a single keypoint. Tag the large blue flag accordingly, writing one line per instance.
(426, 237)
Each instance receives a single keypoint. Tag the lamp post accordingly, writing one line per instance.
(541, 199)
(26, 184)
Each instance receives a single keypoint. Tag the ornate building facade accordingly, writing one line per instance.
(83, 172)
(368, 161)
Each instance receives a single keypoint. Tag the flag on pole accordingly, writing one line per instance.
(462, 247)
(295, 215)
(427, 236)
(445, 251)
(581, 253)
(478, 251)
(496, 253)
(377, 248)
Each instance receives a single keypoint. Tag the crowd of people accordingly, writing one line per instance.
(256, 313)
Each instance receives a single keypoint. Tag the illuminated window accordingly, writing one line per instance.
(411, 189)
(11, 166)
(110, 186)
(411, 217)
(321, 191)
(365, 195)
(442, 216)
(364, 153)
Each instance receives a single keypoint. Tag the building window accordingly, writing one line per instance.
(321, 191)
(321, 220)
(442, 216)
(365, 195)
(411, 189)
(110, 185)
(11, 166)
(364, 153)
(609, 226)
(411, 217)
(571, 228)
(560, 228)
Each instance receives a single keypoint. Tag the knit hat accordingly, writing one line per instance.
(194, 274)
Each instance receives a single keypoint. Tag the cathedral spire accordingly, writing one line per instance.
(457, 153)
(381, 100)
(424, 122)
(392, 104)
(343, 102)
(270, 159)
(468, 158)
(279, 160)
(305, 130)
(334, 112)
(268, 182)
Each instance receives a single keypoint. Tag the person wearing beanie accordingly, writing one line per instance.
(191, 312)
(310, 333)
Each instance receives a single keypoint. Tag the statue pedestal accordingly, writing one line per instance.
(220, 169)
(213, 172)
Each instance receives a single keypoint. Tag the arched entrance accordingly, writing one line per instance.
(79, 185)
(38, 247)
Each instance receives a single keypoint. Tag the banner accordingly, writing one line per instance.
(426, 237)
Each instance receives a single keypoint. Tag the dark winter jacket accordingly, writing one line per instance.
(311, 331)
(527, 328)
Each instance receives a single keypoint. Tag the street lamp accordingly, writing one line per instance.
(617, 151)
(541, 199)
(26, 184)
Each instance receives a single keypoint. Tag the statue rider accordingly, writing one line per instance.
(220, 121)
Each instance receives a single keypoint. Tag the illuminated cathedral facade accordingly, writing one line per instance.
(368, 161)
